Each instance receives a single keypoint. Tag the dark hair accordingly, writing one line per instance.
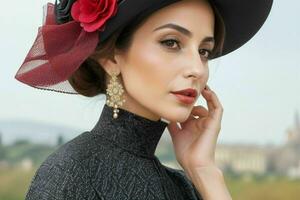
(90, 78)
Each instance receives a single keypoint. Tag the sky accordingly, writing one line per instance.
(258, 84)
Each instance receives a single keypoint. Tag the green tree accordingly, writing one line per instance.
(60, 140)
(0, 138)
(2, 149)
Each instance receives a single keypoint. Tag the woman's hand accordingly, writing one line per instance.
(195, 143)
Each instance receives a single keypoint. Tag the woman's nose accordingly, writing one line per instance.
(195, 66)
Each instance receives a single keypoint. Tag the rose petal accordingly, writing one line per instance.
(101, 19)
(90, 27)
(88, 17)
(89, 11)
(110, 10)
(115, 11)
(75, 11)
(103, 7)
(94, 13)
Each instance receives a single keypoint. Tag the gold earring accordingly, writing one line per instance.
(114, 91)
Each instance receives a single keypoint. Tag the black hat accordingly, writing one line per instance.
(242, 18)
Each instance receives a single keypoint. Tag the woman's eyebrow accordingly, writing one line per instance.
(176, 27)
(184, 31)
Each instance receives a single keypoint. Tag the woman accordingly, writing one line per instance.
(150, 59)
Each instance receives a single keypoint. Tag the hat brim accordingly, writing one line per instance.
(242, 19)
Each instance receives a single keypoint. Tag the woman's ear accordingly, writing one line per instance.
(109, 65)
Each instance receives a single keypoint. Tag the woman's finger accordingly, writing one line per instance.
(174, 130)
(200, 111)
(218, 112)
(173, 127)
(215, 100)
(214, 106)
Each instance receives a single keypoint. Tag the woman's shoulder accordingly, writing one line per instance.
(63, 175)
(79, 150)
(181, 179)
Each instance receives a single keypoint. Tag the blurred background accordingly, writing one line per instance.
(258, 86)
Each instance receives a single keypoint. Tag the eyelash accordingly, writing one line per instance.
(173, 40)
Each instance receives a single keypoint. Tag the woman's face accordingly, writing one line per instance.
(154, 67)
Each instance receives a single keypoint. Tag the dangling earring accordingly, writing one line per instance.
(114, 91)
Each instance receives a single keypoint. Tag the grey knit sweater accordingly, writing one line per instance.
(113, 161)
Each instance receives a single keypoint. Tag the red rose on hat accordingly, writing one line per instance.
(92, 14)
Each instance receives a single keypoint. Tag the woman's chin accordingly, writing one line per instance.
(178, 114)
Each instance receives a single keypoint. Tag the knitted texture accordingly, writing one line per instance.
(113, 161)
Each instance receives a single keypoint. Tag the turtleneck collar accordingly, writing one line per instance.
(130, 131)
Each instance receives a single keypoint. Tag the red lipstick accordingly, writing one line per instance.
(187, 96)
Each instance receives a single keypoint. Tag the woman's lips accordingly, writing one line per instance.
(185, 99)
(187, 96)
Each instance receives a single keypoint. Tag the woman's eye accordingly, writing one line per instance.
(205, 52)
(170, 43)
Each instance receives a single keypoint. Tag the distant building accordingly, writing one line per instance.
(287, 157)
(294, 172)
(284, 159)
(242, 158)
(26, 164)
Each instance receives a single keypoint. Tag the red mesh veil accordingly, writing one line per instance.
(50, 61)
